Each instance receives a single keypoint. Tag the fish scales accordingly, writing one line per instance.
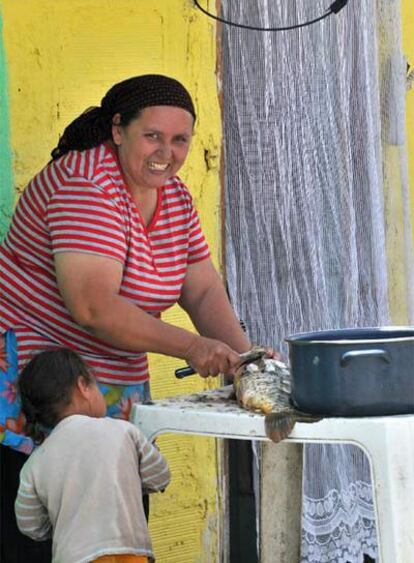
(265, 386)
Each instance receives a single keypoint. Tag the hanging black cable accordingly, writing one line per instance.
(334, 8)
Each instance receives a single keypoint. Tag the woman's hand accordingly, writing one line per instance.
(208, 356)
(273, 354)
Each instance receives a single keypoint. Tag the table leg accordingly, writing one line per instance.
(280, 503)
(392, 457)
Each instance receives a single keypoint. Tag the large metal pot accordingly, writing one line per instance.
(353, 372)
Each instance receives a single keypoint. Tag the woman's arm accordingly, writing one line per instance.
(204, 298)
(89, 286)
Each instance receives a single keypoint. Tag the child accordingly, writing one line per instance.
(82, 485)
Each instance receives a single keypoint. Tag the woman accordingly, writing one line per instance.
(102, 241)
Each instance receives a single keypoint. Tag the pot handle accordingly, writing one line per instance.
(348, 356)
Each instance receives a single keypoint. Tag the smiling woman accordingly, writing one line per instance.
(103, 240)
(152, 149)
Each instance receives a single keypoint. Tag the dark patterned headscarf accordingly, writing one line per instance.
(127, 98)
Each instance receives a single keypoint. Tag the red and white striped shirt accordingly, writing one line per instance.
(80, 203)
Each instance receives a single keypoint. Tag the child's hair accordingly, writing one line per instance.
(46, 385)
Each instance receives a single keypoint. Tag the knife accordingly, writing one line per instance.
(245, 358)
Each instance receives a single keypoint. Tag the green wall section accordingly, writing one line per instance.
(6, 179)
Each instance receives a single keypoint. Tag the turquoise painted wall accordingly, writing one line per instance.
(6, 177)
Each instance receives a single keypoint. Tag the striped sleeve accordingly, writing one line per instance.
(154, 471)
(82, 217)
(31, 516)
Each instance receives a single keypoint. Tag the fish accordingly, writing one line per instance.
(265, 386)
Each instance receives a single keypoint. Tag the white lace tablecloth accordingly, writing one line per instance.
(338, 518)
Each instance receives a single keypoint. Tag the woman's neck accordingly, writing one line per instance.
(146, 202)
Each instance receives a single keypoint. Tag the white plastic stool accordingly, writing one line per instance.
(388, 442)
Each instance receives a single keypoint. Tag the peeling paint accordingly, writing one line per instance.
(407, 12)
(394, 202)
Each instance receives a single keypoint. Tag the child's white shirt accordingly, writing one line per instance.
(85, 484)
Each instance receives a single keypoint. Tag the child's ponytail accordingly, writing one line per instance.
(33, 427)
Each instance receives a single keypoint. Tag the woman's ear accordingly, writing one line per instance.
(116, 129)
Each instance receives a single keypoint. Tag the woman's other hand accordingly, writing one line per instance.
(208, 356)
(273, 354)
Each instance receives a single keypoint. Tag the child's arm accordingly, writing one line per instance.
(31, 516)
(154, 471)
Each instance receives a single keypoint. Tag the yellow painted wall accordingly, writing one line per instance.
(394, 173)
(407, 12)
(62, 56)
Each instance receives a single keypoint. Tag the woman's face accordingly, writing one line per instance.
(154, 146)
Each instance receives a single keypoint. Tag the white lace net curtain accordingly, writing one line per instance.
(314, 160)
